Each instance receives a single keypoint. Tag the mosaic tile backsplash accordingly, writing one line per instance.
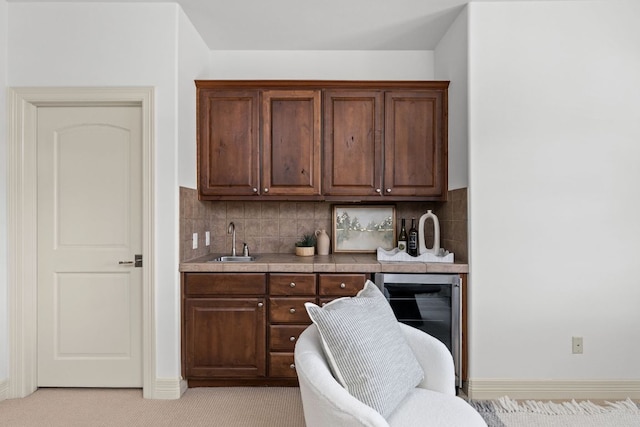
(274, 227)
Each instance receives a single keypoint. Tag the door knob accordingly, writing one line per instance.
(137, 261)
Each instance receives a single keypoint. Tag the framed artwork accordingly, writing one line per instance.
(363, 228)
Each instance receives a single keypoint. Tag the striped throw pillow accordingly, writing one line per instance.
(366, 349)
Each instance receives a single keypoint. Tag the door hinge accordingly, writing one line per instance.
(138, 260)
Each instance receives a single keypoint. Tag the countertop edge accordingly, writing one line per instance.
(289, 263)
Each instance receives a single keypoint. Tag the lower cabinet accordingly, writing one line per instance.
(241, 328)
(225, 337)
(224, 326)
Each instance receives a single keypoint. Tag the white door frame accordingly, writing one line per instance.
(23, 104)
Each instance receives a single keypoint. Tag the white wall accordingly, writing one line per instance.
(554, 129)
(193, 63)
(322, 65)
(451, 64)
(121, 44)
(4, 357)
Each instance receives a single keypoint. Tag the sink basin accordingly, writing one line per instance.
(229, 258)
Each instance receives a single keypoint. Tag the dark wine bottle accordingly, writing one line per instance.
(402, 238)
(412, 241)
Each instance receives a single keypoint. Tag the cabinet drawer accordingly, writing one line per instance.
(341, 284)
(225, 284)
(292, 284)
(284, 337)
(289, 310)
(281, 365)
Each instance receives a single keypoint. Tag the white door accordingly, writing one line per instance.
(89, 221)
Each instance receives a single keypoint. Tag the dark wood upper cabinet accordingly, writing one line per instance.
(228, 142)
(415, 144)
(291, 143)
(322, 140)
(352, 143)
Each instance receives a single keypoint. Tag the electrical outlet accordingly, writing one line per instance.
(195, 240)
(207, 238)
(576, 344)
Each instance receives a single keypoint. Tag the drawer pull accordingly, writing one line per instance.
(292, 339)
(260, 304)
(293, 285)
(342, 286)
(292, 310)
(292, 366)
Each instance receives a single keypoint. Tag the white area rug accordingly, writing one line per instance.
(506, 412)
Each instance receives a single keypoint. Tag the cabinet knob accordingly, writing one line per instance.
(260, 304)
(292, 339)
(342, 286)
(266, 190)
(255, 190)
(388, 190)
(292, 366)
(378, 190)
(293, 285)
(292, 310)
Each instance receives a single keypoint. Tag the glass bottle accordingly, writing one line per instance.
(402, 238)
(412, 241)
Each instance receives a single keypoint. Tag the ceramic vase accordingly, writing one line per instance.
(322, 242)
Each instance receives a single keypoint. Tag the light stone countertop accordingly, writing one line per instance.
(334, 263)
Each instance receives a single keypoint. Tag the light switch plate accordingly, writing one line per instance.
(207, 238)
(195, 240)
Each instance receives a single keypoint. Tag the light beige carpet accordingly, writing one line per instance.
(220, 407)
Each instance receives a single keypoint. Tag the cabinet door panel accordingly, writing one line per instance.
(415, 157)
(291, 142)
(228, 148)
(352, 143)
(225, 337)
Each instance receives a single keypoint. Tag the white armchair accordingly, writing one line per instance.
(433, 403)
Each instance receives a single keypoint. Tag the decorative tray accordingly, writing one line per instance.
(397, 255)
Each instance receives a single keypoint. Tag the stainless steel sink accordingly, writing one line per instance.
(228, 258)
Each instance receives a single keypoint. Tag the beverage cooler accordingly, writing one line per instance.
(430, 302)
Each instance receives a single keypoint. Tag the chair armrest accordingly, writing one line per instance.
(435, 359)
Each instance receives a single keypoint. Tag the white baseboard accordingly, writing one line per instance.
(4, 390)
(168, 388)
(481, 389)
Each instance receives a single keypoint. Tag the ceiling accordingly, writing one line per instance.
(322, 24)
(318, 24)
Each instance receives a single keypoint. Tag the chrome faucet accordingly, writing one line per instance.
(232, 230)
